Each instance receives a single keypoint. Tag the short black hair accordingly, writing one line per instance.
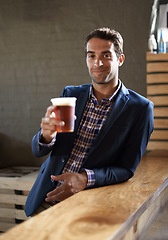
(107, 34)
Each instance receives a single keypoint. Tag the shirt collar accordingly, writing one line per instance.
(91, 94)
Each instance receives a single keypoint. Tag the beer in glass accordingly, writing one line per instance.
(64, 110)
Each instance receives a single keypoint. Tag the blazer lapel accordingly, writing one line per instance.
(80, 105)
(118, 107)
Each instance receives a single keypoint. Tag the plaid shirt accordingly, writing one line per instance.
(94, 116)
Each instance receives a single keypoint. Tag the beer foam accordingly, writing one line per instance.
(63, 101)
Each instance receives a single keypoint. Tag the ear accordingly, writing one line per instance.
(121, 60)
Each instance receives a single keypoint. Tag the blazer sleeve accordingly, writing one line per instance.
(131, 154)
(40, 150)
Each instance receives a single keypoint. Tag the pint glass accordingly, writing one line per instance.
(64, 110)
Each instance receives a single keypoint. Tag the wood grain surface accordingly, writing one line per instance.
(119, 211)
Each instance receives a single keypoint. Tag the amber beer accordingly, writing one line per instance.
(64, 111)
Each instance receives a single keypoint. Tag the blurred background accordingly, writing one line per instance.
(42, 51)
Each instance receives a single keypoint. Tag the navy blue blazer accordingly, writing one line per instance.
(116, 151)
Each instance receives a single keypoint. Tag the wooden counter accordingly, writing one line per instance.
(120, 211)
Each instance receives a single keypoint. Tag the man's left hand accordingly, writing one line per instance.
(73, 183)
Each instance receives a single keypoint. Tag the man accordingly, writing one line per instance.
(112, 128)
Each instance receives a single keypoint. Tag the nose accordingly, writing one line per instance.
(98, 62)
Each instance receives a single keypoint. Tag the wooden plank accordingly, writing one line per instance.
(10, 220)
(7, 191)
(157, 78)
(7, 205)
(16, 171)
(13, 213)
(161, 123)
(157, 89)
(4, 226)
(113, 212)
(11, 179)
(15, 199)
(159, 100)
(25, 193)
(159, 135)
(157, 145)
(22, 183)
(157, 67)
(27, 169)
(156, 57)
(160, 111)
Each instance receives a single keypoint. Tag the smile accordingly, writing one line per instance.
(98, 71)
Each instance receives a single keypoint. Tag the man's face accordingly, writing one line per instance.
(102, 61)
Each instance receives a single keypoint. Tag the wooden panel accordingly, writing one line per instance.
(159, 135)
(159, 100)
(161, 111)
(15, 184)
(157, 89)
(156, 145)
(12, 213)
(157, 78)
(156, 57)
(10, 220)
(4, 226)
(116, 212)
(161, 123)
(22, 183)
(15, 199)
(157, 67)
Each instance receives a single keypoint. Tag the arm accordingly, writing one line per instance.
(133, 148)
(40, 150)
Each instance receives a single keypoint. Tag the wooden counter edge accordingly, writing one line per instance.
(143, 216)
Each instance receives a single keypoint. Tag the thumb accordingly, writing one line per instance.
(59, 177)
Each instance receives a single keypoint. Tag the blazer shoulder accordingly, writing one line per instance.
(136, 99)
(75, 91)
(139, 99)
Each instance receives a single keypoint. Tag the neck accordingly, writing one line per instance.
(103, 90)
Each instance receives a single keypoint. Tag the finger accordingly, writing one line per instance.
(48, 122)
(59, 194)
(58, 178)
(61, 177)
(50, 109)
(47, 127)
(58, 197)
(55, 192)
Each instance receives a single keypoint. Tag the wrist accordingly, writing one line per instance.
(84, 177)
(44, 140)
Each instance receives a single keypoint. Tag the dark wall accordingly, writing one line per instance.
(41, 51)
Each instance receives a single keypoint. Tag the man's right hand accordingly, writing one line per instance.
(48, 126)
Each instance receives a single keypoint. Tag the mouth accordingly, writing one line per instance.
(99, 71)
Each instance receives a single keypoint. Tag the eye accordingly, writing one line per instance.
(91, 56)
(107, 55)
